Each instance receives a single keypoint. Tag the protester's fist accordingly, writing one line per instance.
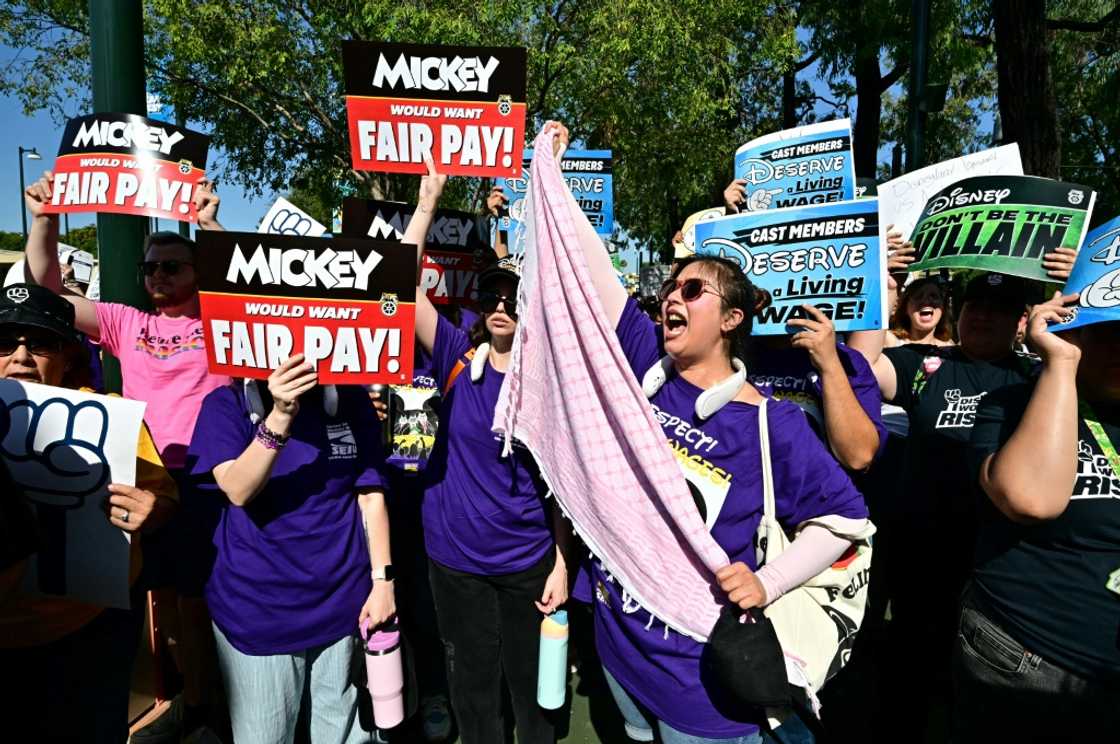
(734, 195)
(1059, 263)
(206, 201)
(39, 194)
(288, 222)
(129, 507)
(431, 186)
(54, 464)
(1050, 346)
(741, 586)
(496, 201)
(560, 142)
(555, 591)
(380, 606)
(759, 199)
(818, 337)
(291, 379)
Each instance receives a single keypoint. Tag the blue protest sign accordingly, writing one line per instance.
(828, 256)
(1096, 276)
(588, 174)
(798, 167)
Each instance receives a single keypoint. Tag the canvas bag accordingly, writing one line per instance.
(816, 622)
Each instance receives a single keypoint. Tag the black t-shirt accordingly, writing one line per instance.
(1046, 583)
(934, 508)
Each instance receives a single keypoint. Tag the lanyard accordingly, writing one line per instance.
(1099, 434)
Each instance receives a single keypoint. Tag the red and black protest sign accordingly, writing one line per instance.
(454, 253)
(463, 105)
(348, 305)
(127, 164)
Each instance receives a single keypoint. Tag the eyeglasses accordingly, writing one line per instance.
(488, 301)
(691, 289)
(37, 345)
(171, 268)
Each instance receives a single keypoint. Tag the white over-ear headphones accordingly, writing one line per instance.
(478, 363)
(256, 402)
(712, 399)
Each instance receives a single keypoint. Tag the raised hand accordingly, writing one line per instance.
(734, 195)
(39, 194)
(1059, 263)
(1050, 346)
(206, 201)
(291, 379)
(818, 337)
(431, 186)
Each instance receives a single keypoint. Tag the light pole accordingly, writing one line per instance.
(32, 154)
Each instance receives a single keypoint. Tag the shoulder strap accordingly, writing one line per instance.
(460, 365)
(768, 507)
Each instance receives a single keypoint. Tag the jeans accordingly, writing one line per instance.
(1005, 692)
(639, 728)
(491, 630)
(265, 692)
(75, 689)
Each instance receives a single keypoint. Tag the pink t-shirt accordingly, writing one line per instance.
(163, 363)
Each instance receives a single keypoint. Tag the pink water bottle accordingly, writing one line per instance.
(384, 675)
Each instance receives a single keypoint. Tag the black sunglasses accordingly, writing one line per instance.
(37, 345)
(488, 301)
(691, 289)
(171, 268)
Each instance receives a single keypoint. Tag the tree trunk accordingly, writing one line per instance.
(1027, 106)
(869, 105)
(789, 99)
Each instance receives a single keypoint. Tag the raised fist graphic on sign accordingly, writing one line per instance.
(288, 222)
(56, 449)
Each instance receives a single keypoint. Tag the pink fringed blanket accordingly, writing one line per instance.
(572, 399)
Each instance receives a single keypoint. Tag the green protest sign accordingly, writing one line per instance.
(1001, 223)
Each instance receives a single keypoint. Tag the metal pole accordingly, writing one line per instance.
(22, 188)
(181, 121)
(916, 146)
(116, 31)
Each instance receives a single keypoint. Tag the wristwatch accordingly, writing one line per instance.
(383, 573)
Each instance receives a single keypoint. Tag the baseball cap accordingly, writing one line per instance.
(37, 307)
(1002, 288)
(508, 267)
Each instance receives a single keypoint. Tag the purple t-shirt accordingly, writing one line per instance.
(483, 513)
(292, 566)
(721, 461)
(788, 374)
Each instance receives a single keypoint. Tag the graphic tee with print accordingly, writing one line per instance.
(292, 566)
(934, 505)
(1046, 584)
(721, 460)
(483, 513)
(163, 363)
(788, 374)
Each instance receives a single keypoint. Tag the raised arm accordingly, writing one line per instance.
(1031, 477)
(496, 204)
(427, 201)
(41, 255)
(242, 479)
(206, 202)
(852, 435)
(611, 293)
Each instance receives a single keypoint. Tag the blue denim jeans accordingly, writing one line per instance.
(1005, 692)
(639, 728)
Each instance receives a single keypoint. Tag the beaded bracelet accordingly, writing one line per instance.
(270, 439)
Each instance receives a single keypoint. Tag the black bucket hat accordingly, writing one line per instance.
(32, 306)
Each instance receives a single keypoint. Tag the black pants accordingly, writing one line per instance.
(1005, 692)
(491, 629)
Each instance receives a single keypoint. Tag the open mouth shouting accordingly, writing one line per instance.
(675, 323)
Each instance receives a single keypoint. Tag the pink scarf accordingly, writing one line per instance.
(572, 399)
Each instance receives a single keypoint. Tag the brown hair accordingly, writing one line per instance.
(900, 319)
(167, 237)
(736, 292)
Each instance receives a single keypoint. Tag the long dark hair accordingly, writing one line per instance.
(737, 293)
(900, 320)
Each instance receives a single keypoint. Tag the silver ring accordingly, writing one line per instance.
(124, 517)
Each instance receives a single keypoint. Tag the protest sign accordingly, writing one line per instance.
(828, 256)
(465, 106)
(1096, 276)
(1004, 224)
(797, 167)
(588, 175)
(63, 448)
(453, 252)
(347, 305)
(285, 218)
(126, 164)
(902, 199)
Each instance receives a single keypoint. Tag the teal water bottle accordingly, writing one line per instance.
(552, 670)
